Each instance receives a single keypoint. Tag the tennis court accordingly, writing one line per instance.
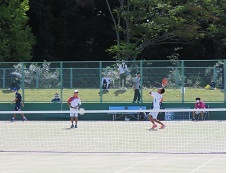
(21, 162)
(112, 146)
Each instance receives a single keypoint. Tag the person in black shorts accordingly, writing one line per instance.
(18, 101)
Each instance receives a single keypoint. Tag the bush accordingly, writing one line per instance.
(36, 76)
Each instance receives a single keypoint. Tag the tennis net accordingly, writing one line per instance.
(130, 132)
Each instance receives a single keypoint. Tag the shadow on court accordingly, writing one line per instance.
(104, 92)
(118, 92)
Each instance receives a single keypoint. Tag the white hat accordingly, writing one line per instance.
(76, 91)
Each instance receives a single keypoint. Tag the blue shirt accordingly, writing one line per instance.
(19, 98)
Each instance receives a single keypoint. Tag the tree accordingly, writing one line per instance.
(70, 30)
(16, 38)
(146, 24)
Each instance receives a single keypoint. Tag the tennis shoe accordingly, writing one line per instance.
(76, 126)
(154, 126)
(12, 120)
(72, 126)
(163, 126)
(24, 119)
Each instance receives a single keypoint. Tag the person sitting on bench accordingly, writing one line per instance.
(56, 99)
(199, 105)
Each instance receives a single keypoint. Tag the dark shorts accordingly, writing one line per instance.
(17, 107)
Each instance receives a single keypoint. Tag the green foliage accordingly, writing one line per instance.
(145, 24)
(16, 39)
(125, 50)
(216, 73)
(80, 29)
(175, 75)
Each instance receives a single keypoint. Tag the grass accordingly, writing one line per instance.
(114, 95)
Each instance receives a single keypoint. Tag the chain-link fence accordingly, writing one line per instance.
(39, 82)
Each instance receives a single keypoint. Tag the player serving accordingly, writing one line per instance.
(74, 102)
(157, 100)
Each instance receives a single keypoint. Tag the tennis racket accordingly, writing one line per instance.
(164, 82)
(81, 111)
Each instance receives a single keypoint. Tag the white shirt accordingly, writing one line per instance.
(123, 68)
(157, 97)
(136, 83)
(75, 101)
(107, 80)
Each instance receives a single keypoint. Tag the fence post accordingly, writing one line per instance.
(177, 77)
(61, 82)
(100, 77)
(4, 78)
(215, 75)
(182, 81)
(37, 79)
(71, 77)
(141, 81)
(224, 84)
(23, 82)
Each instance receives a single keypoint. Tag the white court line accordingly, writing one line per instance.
(122, 170)
(203, 164)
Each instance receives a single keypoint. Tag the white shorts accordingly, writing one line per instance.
(73, 113)
(198, 112)
(154, 114)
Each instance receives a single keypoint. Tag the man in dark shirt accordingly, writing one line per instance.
(136, 88)
(18, 101)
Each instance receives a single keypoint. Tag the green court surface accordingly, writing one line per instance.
(112, 146)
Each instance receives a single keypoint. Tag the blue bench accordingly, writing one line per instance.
(177, 115)
(135, 115)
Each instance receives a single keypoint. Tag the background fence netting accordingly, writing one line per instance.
(34, 79)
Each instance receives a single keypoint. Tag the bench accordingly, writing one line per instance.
(135, 115)
(177, 115)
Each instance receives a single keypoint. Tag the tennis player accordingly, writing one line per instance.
(18, 101)
(157, 99)
(74, 102)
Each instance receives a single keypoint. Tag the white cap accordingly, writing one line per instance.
(76, 91)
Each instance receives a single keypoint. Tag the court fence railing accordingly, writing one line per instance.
(39, 81)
